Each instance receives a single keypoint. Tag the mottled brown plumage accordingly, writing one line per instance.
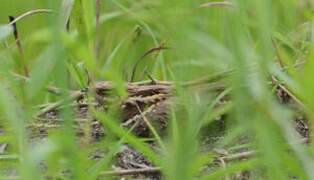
(153, 100)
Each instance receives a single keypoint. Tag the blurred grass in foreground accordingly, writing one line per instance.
(203, 41)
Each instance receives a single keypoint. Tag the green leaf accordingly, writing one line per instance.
(83, 16)
(129, 138)
(65, 11)
(77, 74)
(41, 71)
(104, 162)
(108, 16)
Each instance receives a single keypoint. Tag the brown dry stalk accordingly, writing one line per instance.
(129, 121)
(211, 4)
(230, 157)
(151, 127)
(75, 95)
(9, 157)
(115, 172)
(150, 77)
(142, 57)
(294, 98)
(30, 13)
(13, 22)
(132, 171)
(277, 52)
(19, 45)
(240, 155)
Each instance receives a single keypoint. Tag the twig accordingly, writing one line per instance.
(45, 126)
(19, 45)
(9, 157)
(211, 4)
(151, 127)
(21, 77)
(221, 151)
(140, 76)
(142, 57)
(54, 90)
(73, 96)
(241, 155)
(150, 77)
(158, 169)
(132, 171)
(299, 102)
(128, 122)
(28, 14)
(78, 120)
(89, 77)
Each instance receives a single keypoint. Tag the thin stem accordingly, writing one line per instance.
(30, 13)
(277, 52)
(212, 4)
(132, 171)
(96, 52)
(19, 45)
(142, 57)
(151, 128)
(293, 97)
